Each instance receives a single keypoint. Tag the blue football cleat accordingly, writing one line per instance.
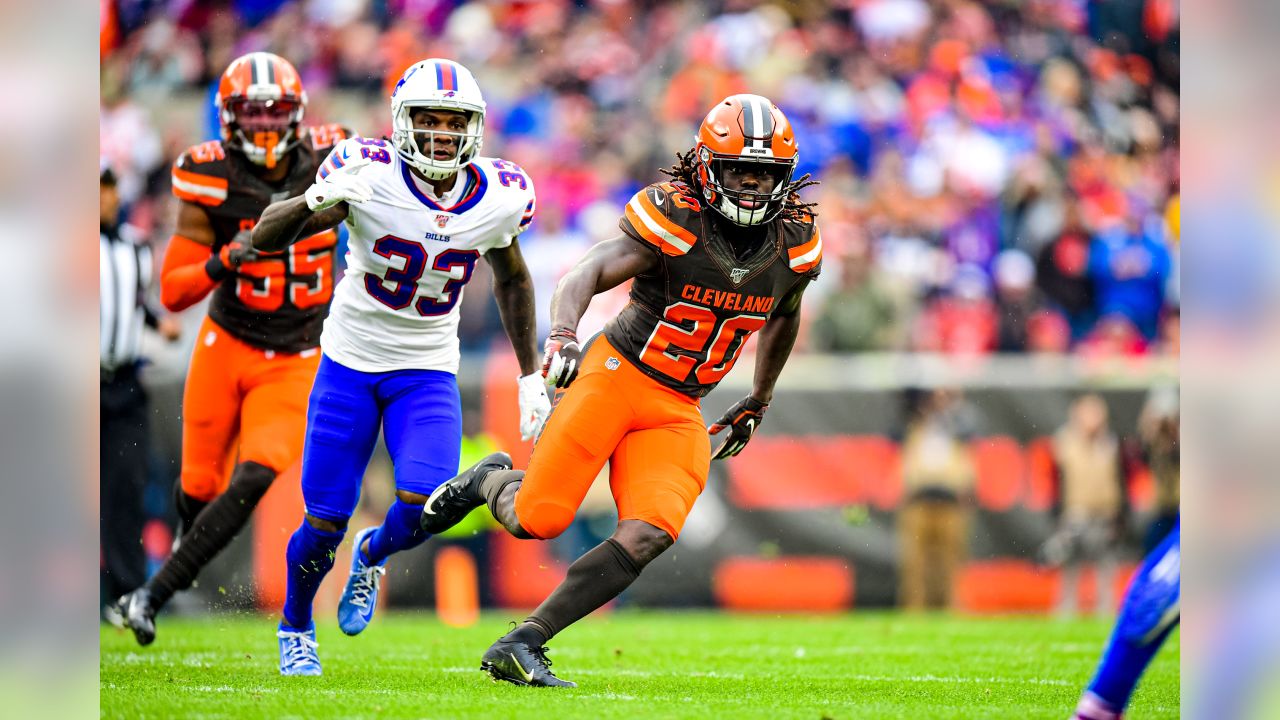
(360, 596)
(298, 654)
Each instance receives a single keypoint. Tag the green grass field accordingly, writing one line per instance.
(633, 665)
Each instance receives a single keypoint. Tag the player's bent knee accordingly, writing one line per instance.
(332, 526)
(200, 485)
(277, 456)
(411, 498)
(642, 541)
(251, 480)
(543, 520)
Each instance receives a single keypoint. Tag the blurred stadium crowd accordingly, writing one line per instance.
(997, 176)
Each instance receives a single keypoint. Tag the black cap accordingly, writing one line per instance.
(106, 176)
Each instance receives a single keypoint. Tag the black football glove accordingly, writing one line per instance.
(561, 358)
(239, 254)
(233, 255)
(742, 420)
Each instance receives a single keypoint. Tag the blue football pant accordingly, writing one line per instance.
(1149, 613)
(420, 415)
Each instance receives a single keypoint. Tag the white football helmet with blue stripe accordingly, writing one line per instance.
(439, 84)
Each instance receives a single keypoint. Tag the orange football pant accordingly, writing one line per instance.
(234, 389)
(652, 436)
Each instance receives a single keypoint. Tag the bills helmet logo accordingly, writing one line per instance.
(737, 274)
(442, 220)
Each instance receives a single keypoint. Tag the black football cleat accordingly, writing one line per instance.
(455, 498)
(133, 611)
(521, 664)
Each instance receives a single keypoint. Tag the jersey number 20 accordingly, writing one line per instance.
(691, 328)
(398, 288)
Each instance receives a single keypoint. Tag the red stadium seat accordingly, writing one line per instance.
(789, 473)
(799, 473)
(1040, 482)
(811, 584)
(1001, 586)
(1007, 585)
(1142, 490)
(875, 462)
(1001, 471)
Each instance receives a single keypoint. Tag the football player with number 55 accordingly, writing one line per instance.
(422, 208)
(724, 250)
(256, 354)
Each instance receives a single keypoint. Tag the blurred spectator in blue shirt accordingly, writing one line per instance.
(1130, 268)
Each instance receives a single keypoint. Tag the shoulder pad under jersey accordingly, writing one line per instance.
(804, 246)
(200, 174)
(322, 138)
(379, 152)
(515, 186)
(664, 215)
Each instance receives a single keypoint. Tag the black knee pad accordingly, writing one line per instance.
(250, 482)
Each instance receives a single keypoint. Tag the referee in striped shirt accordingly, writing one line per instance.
(125, 264)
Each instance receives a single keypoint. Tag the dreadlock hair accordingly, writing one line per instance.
(685, 171)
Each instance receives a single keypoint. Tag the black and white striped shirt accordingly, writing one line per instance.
(125, 265)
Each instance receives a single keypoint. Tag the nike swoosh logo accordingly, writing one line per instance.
(431, 500)
(751, 426)
(523, 673)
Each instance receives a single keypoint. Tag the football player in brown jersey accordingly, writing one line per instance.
(257, 351)
(725, 249)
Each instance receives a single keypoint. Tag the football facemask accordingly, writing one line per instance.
(748, 190)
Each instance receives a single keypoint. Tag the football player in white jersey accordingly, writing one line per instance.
(421, 208)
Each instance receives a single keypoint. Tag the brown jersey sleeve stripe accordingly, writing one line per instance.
(656, 228)
(656, 214)
(641, 230)
(804, 258)
(208, 181)
(197, 188)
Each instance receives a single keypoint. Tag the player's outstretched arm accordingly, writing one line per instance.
(604, 267)
(777, 337)
(286, 222)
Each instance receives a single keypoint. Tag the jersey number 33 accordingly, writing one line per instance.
(398, 288)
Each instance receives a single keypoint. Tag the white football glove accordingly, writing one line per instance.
(535, 406)
(341, 185)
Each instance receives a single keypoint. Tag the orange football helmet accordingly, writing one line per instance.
(746, 136)
(260, 104)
